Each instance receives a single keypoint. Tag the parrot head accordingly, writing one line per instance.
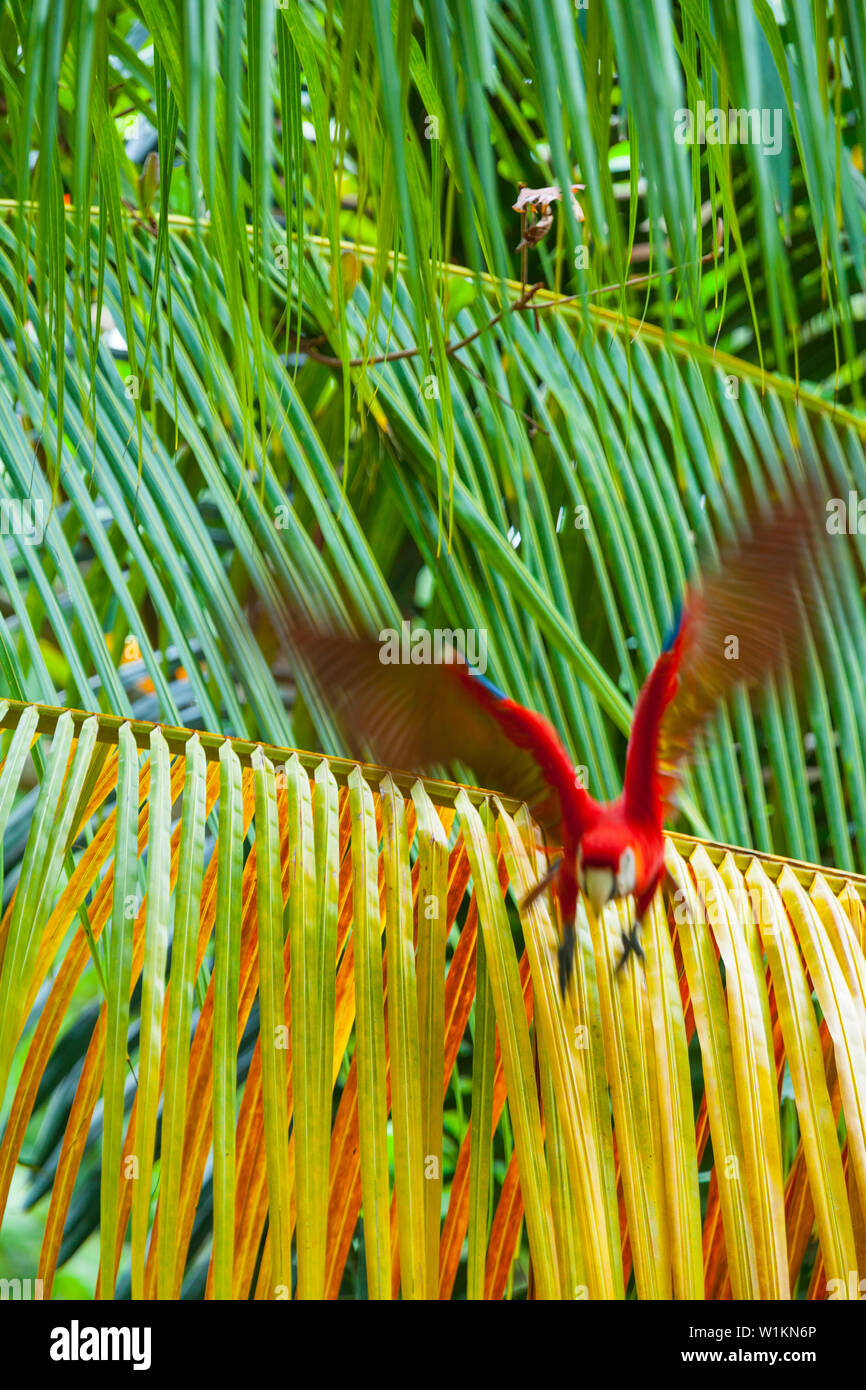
(606, 866)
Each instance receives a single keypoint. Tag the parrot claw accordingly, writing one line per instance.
(565, 957)
(631, 942)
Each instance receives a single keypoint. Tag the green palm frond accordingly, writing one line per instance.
(614, 499)
(265, 331)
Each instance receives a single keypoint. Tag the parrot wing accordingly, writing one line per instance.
(417, 717)
(739, 626)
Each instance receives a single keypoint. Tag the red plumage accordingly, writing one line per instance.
(415, 717)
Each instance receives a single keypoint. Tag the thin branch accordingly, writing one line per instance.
(403, 353)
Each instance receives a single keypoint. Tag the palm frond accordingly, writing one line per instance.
(322, 875)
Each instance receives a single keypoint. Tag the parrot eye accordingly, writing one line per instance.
(626, 873)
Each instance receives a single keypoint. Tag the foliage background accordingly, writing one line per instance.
(201, 202)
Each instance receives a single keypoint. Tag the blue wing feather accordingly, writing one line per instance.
(676, 624)
(488, 685)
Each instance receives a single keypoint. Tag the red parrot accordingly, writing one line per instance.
(736, 627)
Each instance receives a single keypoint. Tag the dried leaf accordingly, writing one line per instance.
(533, 199)
(537, 230)
(541, 200)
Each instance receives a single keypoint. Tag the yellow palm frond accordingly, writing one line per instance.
(696, 1129)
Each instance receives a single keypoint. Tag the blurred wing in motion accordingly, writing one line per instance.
(739, 626)
(416, 717)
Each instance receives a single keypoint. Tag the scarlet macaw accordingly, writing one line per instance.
(735, 628)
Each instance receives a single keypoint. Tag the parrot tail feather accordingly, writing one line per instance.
(565, 952)
(565, 956)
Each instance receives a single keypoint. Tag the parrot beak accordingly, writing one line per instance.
(598, 886)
